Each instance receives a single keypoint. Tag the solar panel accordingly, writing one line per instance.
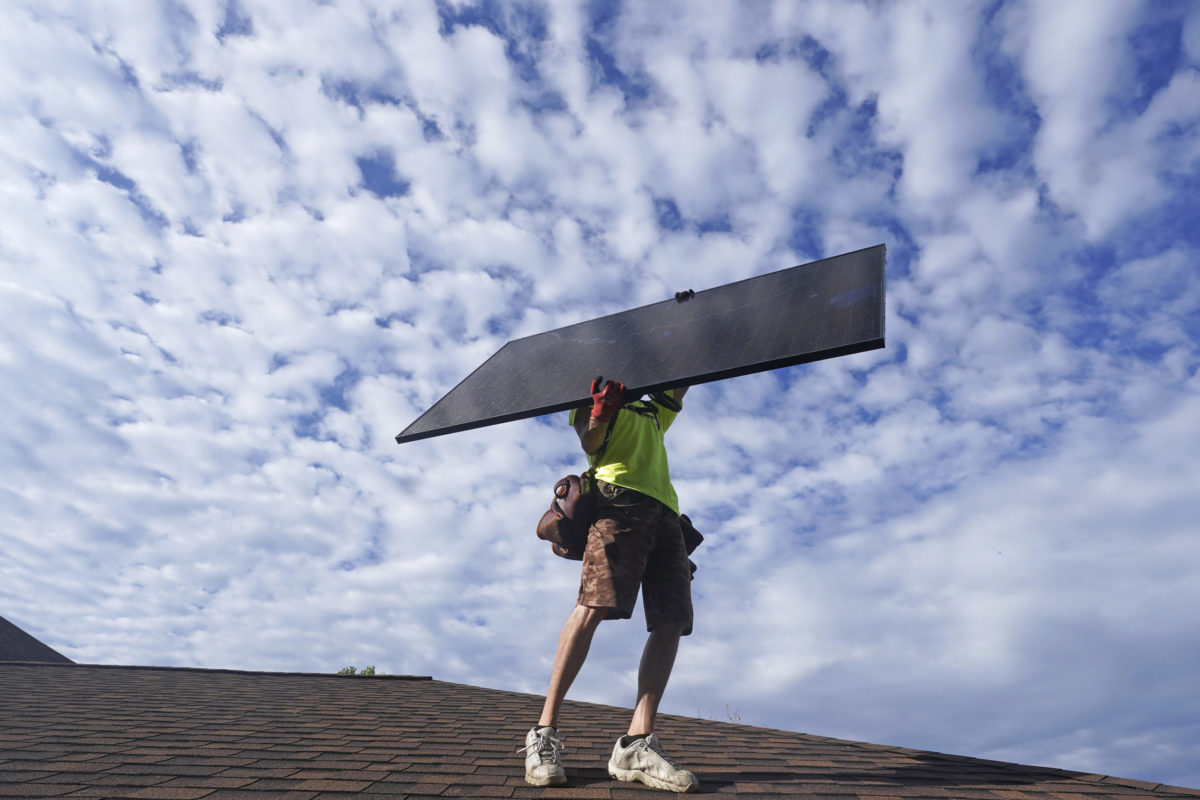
(824, 309)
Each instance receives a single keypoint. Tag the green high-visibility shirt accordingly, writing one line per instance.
(635, 457)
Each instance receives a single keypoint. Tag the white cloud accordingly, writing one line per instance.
(1191, 36)
(1096, 162)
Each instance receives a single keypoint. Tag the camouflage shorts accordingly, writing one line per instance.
(636, 542)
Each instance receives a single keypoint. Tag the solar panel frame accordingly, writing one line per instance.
(841, 313)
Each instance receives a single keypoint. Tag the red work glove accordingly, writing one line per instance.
(606, 401)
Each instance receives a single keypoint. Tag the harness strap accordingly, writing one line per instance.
(591, 471)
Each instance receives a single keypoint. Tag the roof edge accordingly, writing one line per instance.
(1084, 779)
(76, 665)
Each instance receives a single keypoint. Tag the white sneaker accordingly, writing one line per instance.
(644, 760)
(543, 759)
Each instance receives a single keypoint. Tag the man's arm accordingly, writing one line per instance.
(590, 430)
(593, 427)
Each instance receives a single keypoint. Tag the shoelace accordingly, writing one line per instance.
(548, 747)
(656, 747)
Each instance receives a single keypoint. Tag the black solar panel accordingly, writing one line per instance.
(828, 308)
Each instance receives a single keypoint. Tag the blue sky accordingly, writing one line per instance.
(242, 247)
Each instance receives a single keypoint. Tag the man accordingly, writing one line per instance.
(635, 541)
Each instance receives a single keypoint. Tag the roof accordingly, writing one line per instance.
(99, 731)
(17, 645)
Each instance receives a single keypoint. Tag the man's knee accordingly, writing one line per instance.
(589, 617)
(670, 629)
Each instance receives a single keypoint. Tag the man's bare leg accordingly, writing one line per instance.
(573, 645)
(658, 658)
(642, 759)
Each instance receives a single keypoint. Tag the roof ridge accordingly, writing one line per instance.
(213, 670)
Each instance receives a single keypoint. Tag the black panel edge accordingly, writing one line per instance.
(882, 292)
(709, 289)
(400, 440)
(766, 366)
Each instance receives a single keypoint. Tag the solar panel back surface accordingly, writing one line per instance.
(806, 313)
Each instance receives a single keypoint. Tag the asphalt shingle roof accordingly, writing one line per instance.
(78, 730)
(17, 645)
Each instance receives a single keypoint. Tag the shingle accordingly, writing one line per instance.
(255, 772)
(175, 793)
(35, 789)
(226, 735)
(328, 785)
(213, 782)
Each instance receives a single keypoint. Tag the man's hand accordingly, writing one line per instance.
(606, 401)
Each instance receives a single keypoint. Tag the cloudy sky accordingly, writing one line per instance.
(244, 243)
